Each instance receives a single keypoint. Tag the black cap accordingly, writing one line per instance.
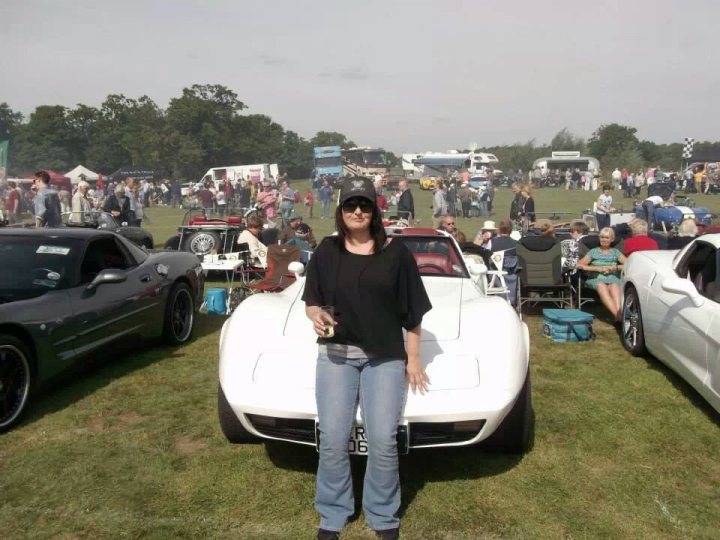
(357, 186)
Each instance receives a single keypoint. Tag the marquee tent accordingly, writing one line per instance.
(138, 173)
(79, 172)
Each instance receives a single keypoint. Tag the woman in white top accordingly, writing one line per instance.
(251, 237)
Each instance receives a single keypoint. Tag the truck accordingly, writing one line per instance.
(255, 173)
(327, 163)
(364, 161)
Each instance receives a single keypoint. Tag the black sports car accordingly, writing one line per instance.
(104, 220)
(65, 293)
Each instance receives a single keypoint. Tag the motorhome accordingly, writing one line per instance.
(566, 160)
(364, 161)
(255, 173)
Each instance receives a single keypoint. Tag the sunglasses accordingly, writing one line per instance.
(351, 204)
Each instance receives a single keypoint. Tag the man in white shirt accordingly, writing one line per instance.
(616, 178)
(604, 207)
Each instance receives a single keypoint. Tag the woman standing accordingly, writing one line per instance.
(375, 289)
(527, 208)
(605, 263)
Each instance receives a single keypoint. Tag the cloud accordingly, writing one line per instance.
(270, 60)
(347, 74)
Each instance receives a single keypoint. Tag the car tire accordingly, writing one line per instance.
(147, 243)
(202, 242)
(179, 318)
(15, 380)
(173, 243)
(633, 336)
(515, 434)
(230, 424)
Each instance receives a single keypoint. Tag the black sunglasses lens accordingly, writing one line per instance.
(352, 204)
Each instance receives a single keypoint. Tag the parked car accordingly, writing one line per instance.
(672, 310)
(474, 347)
(106, 221)
(66, 293)
(200, 234)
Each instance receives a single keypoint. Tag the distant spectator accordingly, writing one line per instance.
(206, 198)
(406, 204)
(81, 205)
(12, 203)
(604, 207)
(325, 194)
(118, 205)
(640, 241)
(309, 203)
(439, 204)
(570, 248)
(47, 203)
(527, 208)
(687, 232)
(266, 200)
(287, 201)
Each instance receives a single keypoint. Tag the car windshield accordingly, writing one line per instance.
(435, 255)
(94, 219)
(32, 266)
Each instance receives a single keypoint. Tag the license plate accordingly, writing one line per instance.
(358, 443)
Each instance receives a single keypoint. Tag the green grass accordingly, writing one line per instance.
(131, 448)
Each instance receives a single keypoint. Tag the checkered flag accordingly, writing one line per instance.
(688, 148)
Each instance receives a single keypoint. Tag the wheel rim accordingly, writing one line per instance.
(182, 315)
(202, 243)
(631, 321)
(14, 383)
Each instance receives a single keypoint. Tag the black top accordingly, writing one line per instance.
(405, 205)
(375, 296)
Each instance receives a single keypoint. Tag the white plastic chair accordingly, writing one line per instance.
(496, 276)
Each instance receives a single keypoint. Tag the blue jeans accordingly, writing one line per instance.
(380, 387)
(324, 208)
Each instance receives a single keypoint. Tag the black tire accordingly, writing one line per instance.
(15, 380)
(147, 243)
(229, 424)
(173, 243)
(202, 242)
(633, 336)
(515, 434)
(179, 315)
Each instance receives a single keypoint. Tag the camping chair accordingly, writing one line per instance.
(277, 276)
(540, 274)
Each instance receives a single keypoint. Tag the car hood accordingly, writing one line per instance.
(441, 323)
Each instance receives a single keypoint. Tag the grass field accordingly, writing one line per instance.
(130, 447)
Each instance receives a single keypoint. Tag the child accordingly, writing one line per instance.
(309, 201)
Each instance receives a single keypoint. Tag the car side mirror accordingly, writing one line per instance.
(476, 269)
(684, 287)
(110, 275)
(297, 268)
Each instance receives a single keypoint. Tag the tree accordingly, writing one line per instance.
(331, 138)
(10, 121)
(612, 139)
(565, 140)
(46, 141)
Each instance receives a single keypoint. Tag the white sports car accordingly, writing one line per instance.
(672, 310)
(474, 347)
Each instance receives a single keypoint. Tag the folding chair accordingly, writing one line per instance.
(277, 276)
(502, 277)
(586, 294)
(540, 274)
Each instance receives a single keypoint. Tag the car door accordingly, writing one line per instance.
(110, 311)
(682, 340)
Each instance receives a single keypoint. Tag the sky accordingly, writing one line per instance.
(409, 76)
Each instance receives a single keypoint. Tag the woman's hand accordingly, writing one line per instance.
(320, 319)
(416, 376)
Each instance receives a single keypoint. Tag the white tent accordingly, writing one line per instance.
(77, 172)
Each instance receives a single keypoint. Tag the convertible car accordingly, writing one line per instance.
(105, 220)
(65, 293)
(474, 347)
(672, 310)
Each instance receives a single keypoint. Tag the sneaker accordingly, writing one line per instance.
(324, 534)
(389, 534)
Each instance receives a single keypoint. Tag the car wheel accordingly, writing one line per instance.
(179, 315)
(15, 380)
(515, 434)
(229, 423)
(147, 243)
(633, 336)
(173, 243)
(203, 242)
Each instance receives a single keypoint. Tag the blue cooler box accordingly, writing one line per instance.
(567, 325)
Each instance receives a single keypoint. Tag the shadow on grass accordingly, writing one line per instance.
(682, 386)
(418, 468)
(103, 367)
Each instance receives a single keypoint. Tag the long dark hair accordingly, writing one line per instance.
(377, 230)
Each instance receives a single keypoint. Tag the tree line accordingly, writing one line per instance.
(206, 127)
